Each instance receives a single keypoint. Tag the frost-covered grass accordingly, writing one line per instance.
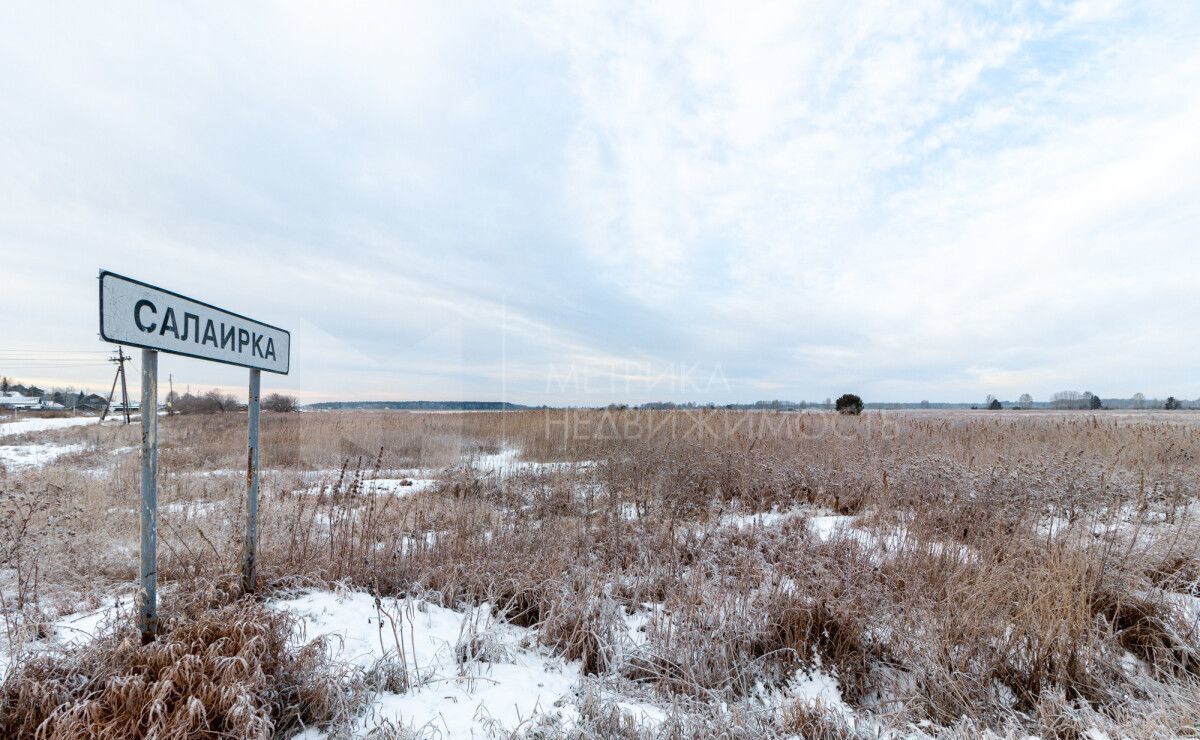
(682, 574)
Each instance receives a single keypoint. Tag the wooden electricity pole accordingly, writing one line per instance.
(120, 360)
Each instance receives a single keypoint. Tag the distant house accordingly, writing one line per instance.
(91, 402)
(15, 400)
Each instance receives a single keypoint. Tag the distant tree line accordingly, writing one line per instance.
(216, 402)
(213, 402)
(1077, 400)
(1086, 400)
(756, 406)
(418, 406)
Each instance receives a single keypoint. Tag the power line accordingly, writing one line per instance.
(51, 353)
(32, 361)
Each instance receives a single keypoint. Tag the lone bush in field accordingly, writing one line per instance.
(849, 404)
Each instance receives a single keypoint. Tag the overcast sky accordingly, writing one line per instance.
(561, 203)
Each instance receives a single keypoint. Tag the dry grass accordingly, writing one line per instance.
(1005, 573)
(225, 672)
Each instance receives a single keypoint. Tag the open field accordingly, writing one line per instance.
(613, 574)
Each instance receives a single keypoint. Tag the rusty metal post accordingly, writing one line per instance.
(251, 542)
(148, 588)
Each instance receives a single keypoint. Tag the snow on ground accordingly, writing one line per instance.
(639, 621)
(25, 456)
(646, 715)
(393, 486)
(815, 686)
(494, 693)
(192, 509)
(76, 629)
(887, 543)
(1188, 605)
(18, 457)
(505, 463)
(398, 486)
(23, 426)
(825, 527)
(756, 520)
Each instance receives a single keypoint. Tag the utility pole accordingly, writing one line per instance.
(120, 361)
(170, 393)
(124, 388)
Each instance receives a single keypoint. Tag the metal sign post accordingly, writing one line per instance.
(148, 590)
(142, 315)
(250, 548)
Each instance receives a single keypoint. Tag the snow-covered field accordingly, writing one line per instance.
(676, 591)
(449, 673)
(16, 457)
(24, 426)
(37, 454)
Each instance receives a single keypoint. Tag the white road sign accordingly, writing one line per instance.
(141, 315)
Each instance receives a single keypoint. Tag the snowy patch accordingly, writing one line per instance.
(75, 629)
(399, 486)
(757, 520)
(1188, 605)
(645, 715)
(815, 686)
(24, 426)
(886, 543)
(215, 473)
(191, 509)
(825, 527)
(639, 622)
(413, 544)
(467, 675)
(505, 463)
(389, 486)
(18, 457)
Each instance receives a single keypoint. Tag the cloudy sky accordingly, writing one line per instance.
(558, 202)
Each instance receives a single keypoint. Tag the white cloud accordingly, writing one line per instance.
(915, 199)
